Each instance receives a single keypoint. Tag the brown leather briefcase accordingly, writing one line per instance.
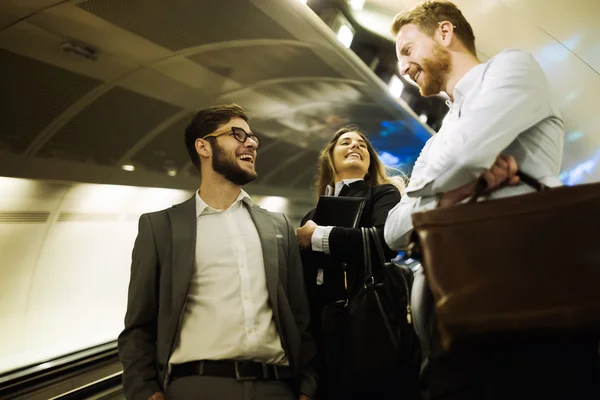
(523, 263)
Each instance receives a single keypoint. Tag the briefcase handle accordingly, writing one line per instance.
(481, 186)
(369, 234)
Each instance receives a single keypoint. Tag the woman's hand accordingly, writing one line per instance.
(304, 234)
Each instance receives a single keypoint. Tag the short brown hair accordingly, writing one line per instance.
(376, 174)
(207, 121)
(427, 15)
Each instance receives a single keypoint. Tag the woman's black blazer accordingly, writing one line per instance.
(345, 245)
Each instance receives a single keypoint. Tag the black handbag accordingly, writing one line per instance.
(382, 338)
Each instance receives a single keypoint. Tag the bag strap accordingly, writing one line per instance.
(481, 186)
(531, 181)
(378, 245)
(368, 268)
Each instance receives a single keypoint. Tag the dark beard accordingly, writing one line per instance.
(437, 67)
(229, 167)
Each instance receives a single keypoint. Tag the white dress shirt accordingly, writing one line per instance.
(501, 106)
(227, 313)
(319, 240)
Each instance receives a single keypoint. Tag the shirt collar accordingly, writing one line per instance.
(330, 191)
(201, 205)
(465, 83)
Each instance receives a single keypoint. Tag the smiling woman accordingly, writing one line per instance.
(348, 166)
(334, 165)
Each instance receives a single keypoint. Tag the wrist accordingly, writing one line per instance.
(448, 199)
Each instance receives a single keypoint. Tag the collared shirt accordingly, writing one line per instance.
(319, 240)
(502, 106)
(227, 313)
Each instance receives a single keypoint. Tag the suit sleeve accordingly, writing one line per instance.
(310, 270)
(345, 244)
(299, 305)
(137, 342)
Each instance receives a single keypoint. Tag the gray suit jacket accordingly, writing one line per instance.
(161, 271)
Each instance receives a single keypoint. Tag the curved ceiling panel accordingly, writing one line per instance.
(102, 83)
(44, 91)
(103, 131)
(274, 61)
(187, 23)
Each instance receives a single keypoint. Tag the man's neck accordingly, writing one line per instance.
(462, 63)
(218, 192)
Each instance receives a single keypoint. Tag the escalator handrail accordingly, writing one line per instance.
(56, 365)
(110, 383)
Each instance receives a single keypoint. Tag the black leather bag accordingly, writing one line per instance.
(383, 339)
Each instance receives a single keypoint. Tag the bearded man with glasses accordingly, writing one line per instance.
(217, 307)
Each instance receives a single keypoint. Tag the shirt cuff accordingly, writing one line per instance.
(427, 203)
(423, 190)
(320, 239)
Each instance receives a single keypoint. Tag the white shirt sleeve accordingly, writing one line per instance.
(514, 96)
(320, 239)
(399, 220)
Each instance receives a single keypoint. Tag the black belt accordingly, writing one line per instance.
(240, 370)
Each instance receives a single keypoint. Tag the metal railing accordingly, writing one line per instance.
(76, 375)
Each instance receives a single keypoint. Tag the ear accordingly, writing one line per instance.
(203, 148)
(446, 33)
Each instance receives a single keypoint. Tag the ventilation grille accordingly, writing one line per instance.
(267, 62)
(179, 24)
(167, 151)
(87, 217)
(35, 93)
(16, 217)
(108, 127)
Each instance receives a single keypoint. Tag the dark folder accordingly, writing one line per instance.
(339, 211)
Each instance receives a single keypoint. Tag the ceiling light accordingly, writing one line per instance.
(389, 159)
(171, 172)
(572, 136)
(274, 203)
(423, 118)
(345, 35)
(79, 50)
(357, 4)
(396, 86)
(127, 167)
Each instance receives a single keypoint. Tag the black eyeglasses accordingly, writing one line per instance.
(238, 133)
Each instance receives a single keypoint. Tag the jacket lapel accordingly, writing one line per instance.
(183, 226)
(357, 189)
(268, 239)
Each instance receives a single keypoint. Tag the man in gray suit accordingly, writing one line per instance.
(217, 307)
